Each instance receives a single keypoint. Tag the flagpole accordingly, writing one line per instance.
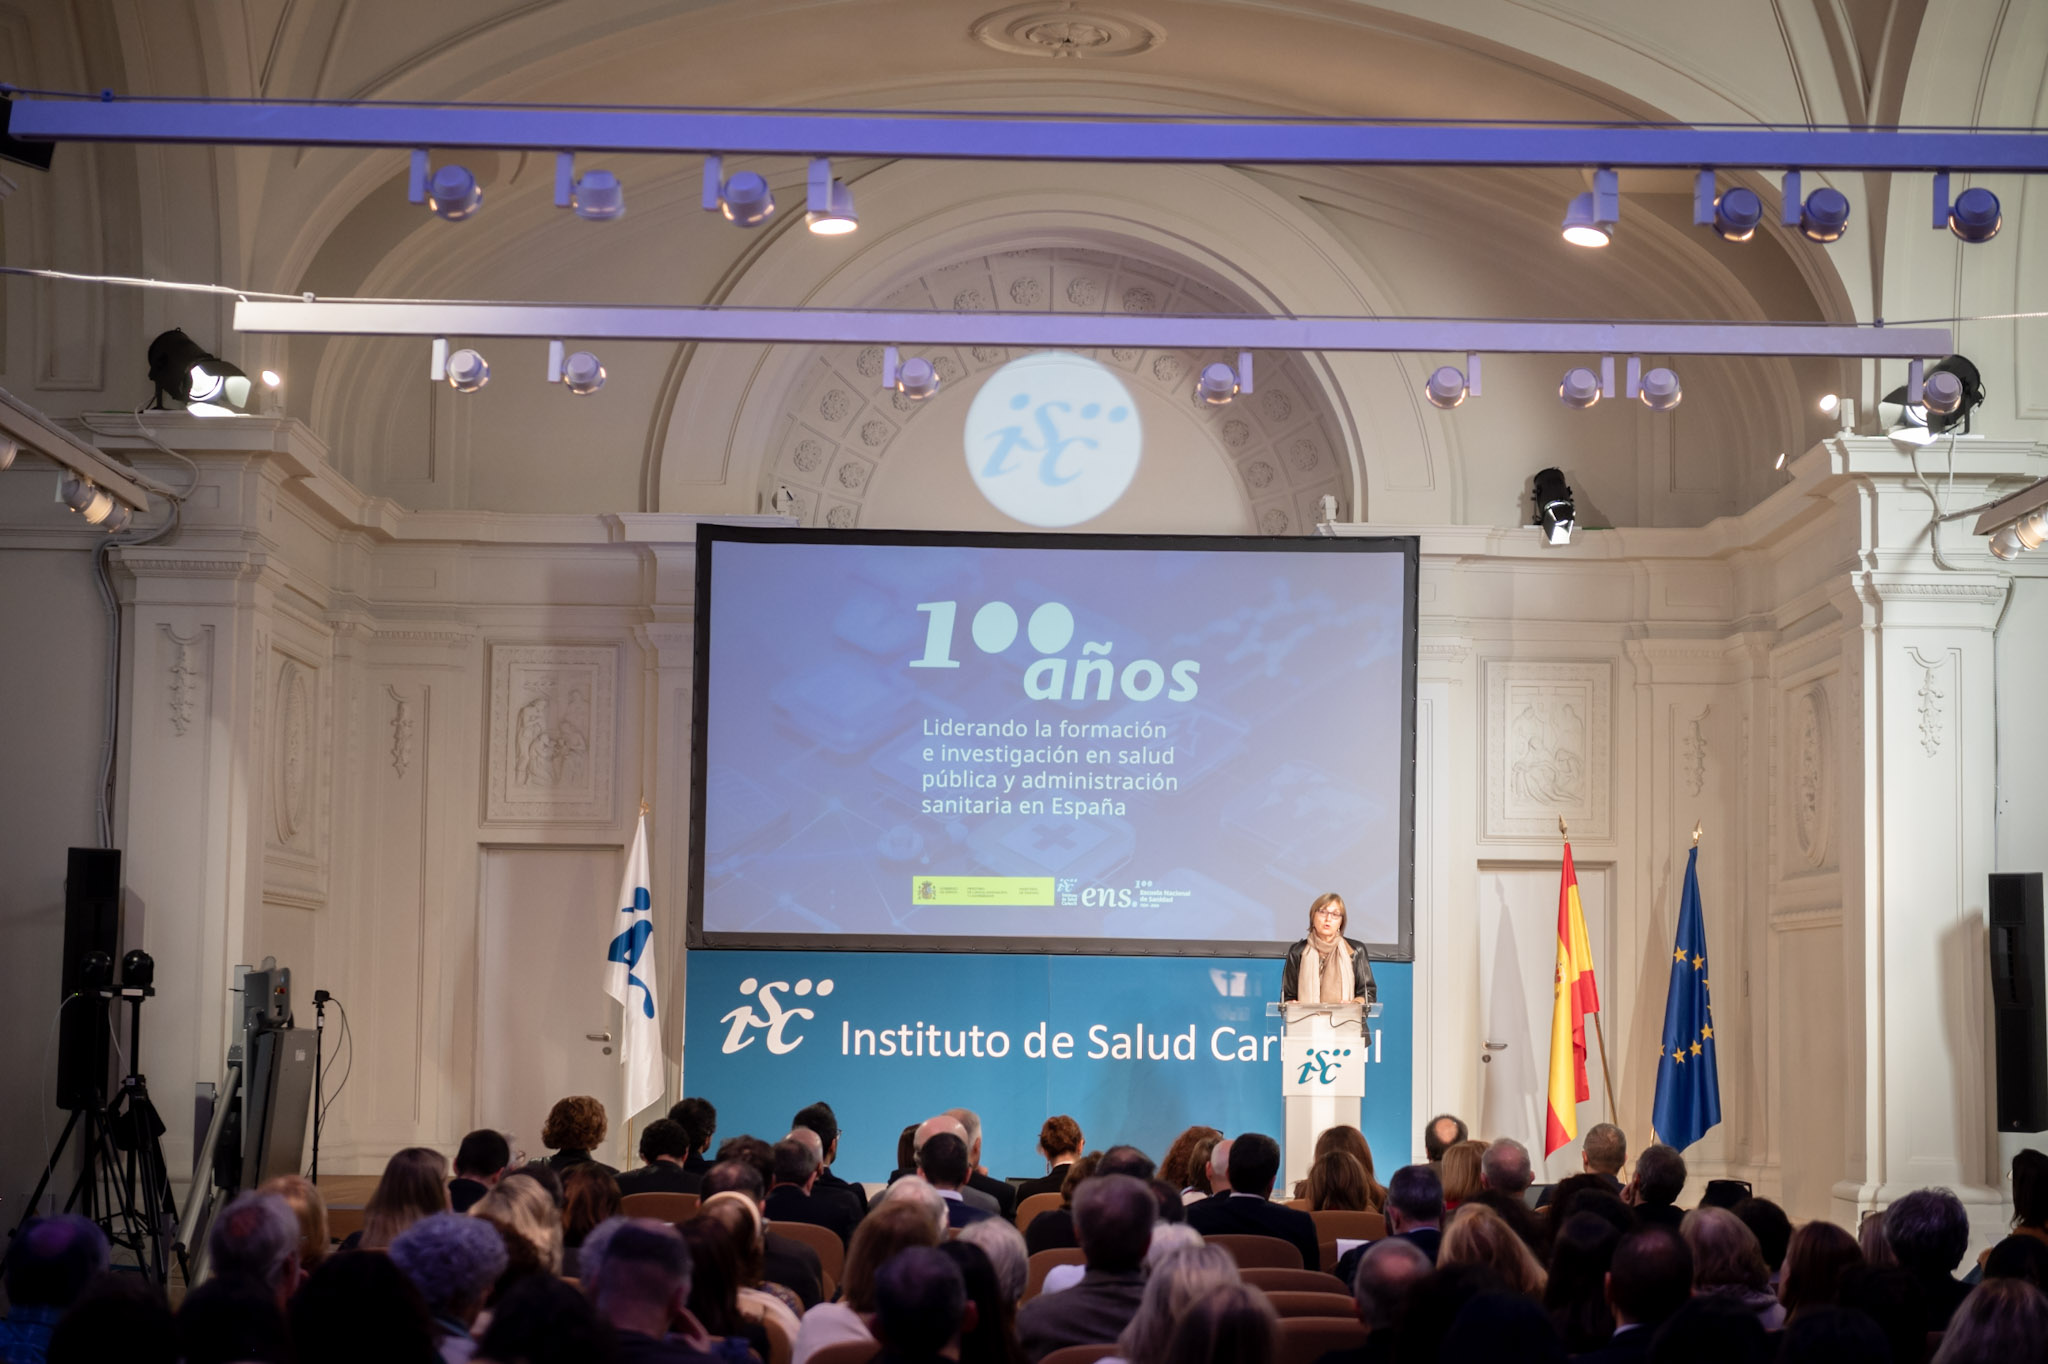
(1599, 1028)
(645, 808)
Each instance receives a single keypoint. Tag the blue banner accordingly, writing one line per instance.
(1134, 1048)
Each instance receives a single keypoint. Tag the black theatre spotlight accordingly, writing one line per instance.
(1950, 391)
(194, 377)
(1554, 513)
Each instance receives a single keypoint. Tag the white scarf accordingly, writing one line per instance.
(1309, 984)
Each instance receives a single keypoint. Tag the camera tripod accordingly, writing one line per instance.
(122, 1182)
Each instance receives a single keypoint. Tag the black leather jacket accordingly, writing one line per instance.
(1362, 983)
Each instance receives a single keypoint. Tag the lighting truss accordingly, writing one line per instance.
(843, 326)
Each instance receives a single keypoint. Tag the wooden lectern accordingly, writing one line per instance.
(1322, 1075)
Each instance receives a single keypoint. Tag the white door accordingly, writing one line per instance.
(545, 1027)
(1517, 967)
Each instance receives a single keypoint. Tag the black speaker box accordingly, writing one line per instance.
(2018, 1004)
(92, 944)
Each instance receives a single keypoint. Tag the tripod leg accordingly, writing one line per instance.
(49, 1172)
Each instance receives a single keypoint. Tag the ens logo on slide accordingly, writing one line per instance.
(744, 1019)
(1053, 439)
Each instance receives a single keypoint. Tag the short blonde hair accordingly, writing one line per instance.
(524, 1212)
(310, 1208)
(1477, 1235)
(1461, 1171)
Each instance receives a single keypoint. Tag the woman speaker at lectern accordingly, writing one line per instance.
(1326, 967)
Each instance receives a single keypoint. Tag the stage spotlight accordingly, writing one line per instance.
(1659, 390)
(582, 374)
(8, 452)
(1554, 510)
(1942, 395)
(271, 378)
(2005, 544)
(184, 372)
(1950, 391)
(1218, 384)
(830, 208)
(1581, 228)
(2018, 522)
(118, 520)
(1825, 215)
(2032, 530)
(1975, 216)
(1736, 213)
(1446, 387)
(467, 371)
(914, 378)
(744, 199)
(85, 497)
(598, 197)
(453, 193)
(1829, 402)
(1580, 388)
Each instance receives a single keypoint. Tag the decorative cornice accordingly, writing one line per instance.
(172, 566)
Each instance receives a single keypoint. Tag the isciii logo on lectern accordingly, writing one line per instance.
(1053, 439)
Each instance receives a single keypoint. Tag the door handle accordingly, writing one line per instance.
(598, 1036)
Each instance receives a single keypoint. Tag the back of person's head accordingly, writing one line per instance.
(361, 1307)
(1126, 1160)
(527, 1220)
(635, 1263)
(1477, 1235)
(1235, 1324)
(1660, 1175)
(53, 1259)
(1000, 1240)
(593, 1196)
(989, 1338)
(2030, 1188)
(1441, 1133)
(1832, 1335)
(224, 1321)
(1336, 1183)
(1254, 1163)
(414, 1185)
(906, 1148)
(943, 1160)
(254, 1238)
(544, 1321)
(483, 1153)
(1433, 1307)
(741, 1176)
(1387, 1274)
(119, 1317)
(795, 1161)
(2002, 1319)
(1711, 1330)
(1771, 1227)
(698, 1118)
(1870, 1238)
(1171, 1208)
(1651, 1276)
(577, 1123)
(920, 1302)
(304, 1199)
(1504, 1167)
(753, 1151)
(1565, 1200)
(921, 1195)
(1417, 1194)
(543, 1174)
(715, 1275)
(1604, 1149)
(1460, 1176)
(1348, 1139)
(819, 1118)
(2019, 1257)
(1895, 1300)
(1928, 1231)
(1079, 1170)
(1113, 1216)
(895, 1225)
(1181, 1166)
(742, 1222)
(1501, 1326)
(1816, 1257)
(1581, 1253)
(665, 1137)
(1176, 1281)
(1724, 1252)
(452, 1260)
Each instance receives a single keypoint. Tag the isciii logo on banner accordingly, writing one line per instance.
(776, 1017)
(1053, 439)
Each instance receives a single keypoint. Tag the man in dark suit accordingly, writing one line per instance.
(1602, 1151)
(700, 1120)
(942, 1160)
(1113, 1215)
(820, 1118)
(1388, 1271)
(930, 1127)
(920, 1308)
(793, 1196)
(1001, 1190)
(1650, 1280)
(1660, 1179)
(664, 1146)
(1054, 1229)
(1415, 1213)
(1504, 1178)
(790, 1263)
(1247, 1210)
(479, 1161)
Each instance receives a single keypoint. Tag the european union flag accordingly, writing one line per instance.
(1688, 1080)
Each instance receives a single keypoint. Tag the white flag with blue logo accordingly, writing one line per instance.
(629, 978)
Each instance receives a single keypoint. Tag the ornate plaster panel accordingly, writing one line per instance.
(1548, 747)
(1811, 772)
(552, 742)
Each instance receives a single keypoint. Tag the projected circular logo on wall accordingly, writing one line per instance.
(1053, 439)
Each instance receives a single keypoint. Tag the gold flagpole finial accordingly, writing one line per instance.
(1562, 832)
(1695, 833)
(645, 808)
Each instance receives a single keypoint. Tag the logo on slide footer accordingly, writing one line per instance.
(1053, 439)
(744, 1020)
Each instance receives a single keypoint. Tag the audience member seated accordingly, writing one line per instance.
(1650, 1280)
(990, 1333)
(700, 1120)
(1185, 1165)
(1893, 1299)
(1171, 1209)
(1335, 1183)
(1004, 1246)
(1439, 1135)
(1415, 1212)
(1773, 1231)
(948, 1124)
(414, 1185)
(1001, 1190)
(51, 1261)
(942, 1160)
(1053, 1229)
(232, 1321)
(1387, 1274)
(2018, 1257)
(1477, 1235)
(358, 1308)
(1343, 1137)
(1501, 1326)
(1246, 1211)
(1588, 1193)
(1816, 1258)
(922, 1196)
(255, 1240)
(453, 1261)
(528, 1223)
(1710, 1330)
(1602, 1152)
(820, 1118)
(1059, 1142)
(1505, 1174)
(1728, 1264)
(2003, 1319)
(574, 1128)
(638, 1281)
(1219, 1169)
(1174, 1284)
(664, 1155)
(1113, 1216)
(920, 1308)
(715, 1286)
(794, 1197)
(541, 1173)
(761, 1298)
(1928, 1232)
(544, 1321)
(1877, 1251)
(1459, 1172)
(1202, 1168)
(1832, 1335)
(2030, 1194)
(906, 1153)
(307, 1205)
(479, 1162)
(784, 1261)
(895, 1225)
(1234, 1325)
(1581, 1253)
(119, 1317)
(1660, 1179)
(593, 1198)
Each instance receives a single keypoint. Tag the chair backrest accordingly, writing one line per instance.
(847, 1352)
(662, 1207)
(1259, 1252)
(1034, 1205)
(1293, 1280)
(824, 1240)
(1298, 1204)
(1349, 1226)
(1297, 1304)
(781, 1349)
(1080, 1354)
(1303, 1340)
(1042, 1264)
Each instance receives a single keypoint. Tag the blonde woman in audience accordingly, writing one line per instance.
(1478, 1235)
(1233, 1325)
(2002, 1319)
(1728, 1264)
(893, 1226)
(529, 1223)
(414, 1185)
(1461, 1172)
(311, 1209)
(1176, 1282)
(760, 1300)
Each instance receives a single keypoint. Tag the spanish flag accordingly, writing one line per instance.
(1573, 997)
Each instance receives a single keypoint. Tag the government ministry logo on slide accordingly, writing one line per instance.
(744, 1020)
(1053, 439)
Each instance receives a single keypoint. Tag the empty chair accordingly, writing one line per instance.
(1260, 1252)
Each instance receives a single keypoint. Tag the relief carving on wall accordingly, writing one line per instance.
(402, 726)
(292, 776)
(1692, 753)
(1547, 746)
(1812, 784)
(187, 668)
(552, 736)
(1933, 700)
